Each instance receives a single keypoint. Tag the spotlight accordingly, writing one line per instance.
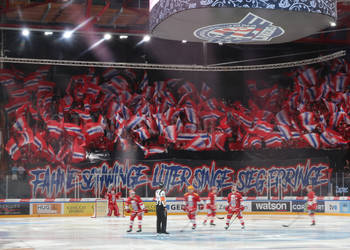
(146, 38)
(220, 43)
(184, 41)
(25, 32)
(333, 24)
(107, 36)
(67, 34)
(48, 33)
(123, 37)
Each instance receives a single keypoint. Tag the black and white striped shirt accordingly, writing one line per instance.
(160, 197)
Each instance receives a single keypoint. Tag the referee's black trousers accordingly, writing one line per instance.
(161, 219)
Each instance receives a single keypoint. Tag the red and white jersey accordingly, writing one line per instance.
(235, 199)
(211, 199)
(113, 197)
(311, 198)
(191, 200)
(136, 203)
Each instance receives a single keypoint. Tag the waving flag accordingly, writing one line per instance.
(331, 138)
(284, 131)
(31, 83)
(272, 141)
(54, 128)
(118, 83)
(205, 91)
(331, 106)
(254, 142)
(109, 73)
(308, 121)
(72, 129)
(93, 131)
(154, 150)
(170, 133)
(262, 128)
(191, 115)
(220, 140)
(313, 139)
(13, 149)
(20, 93)
(134, 121)
(251, 85)
(340, 81)
(197, 144)
(144, 81)
(142, 133)
(187, 87)
(20, 125)
(309, 76)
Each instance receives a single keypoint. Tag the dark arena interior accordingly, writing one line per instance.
(102, 101)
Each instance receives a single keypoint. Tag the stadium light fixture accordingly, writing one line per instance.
(184, 41)
(146, 38)
(25, 32)
(333, 24)
(123, 37)
(48, 33)
(67, 34)
(220, 43)
(107, 36)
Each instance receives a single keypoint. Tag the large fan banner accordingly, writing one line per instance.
(144, 177)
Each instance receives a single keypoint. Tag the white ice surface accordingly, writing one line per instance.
(262, 232)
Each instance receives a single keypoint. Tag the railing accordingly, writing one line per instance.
(20, 185)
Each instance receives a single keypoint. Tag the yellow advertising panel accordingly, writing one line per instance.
(47, 208)
(79, 209)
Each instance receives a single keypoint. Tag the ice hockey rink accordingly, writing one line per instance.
(262, 232)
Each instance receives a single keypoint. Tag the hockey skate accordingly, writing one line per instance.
(194, 227)
(129, 230)
(313, 224)
(242, 227)
(212, 224)
(139, 230)
(226, 227)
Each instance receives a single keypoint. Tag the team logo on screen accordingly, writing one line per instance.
(251, 28)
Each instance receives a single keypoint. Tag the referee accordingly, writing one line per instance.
(161, 210)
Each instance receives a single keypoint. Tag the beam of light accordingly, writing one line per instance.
(69, 33)
(48, 33)
(93, 46)
(107, 36)
(123, 37)
(25, 32)
(145, 39)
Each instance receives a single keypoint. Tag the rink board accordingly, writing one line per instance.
(175, 206)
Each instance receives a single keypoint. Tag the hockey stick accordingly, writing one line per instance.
(293, 221)
(231, 222)
(184, 227)
(220, 217)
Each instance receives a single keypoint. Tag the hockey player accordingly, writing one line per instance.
(112, 197)
(211, 206)
(137, 209)
(311, 204)
(235, 206)
(191, 200)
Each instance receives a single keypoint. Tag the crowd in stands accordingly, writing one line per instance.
(123, 109)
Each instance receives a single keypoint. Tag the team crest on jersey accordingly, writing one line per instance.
(251, 28)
